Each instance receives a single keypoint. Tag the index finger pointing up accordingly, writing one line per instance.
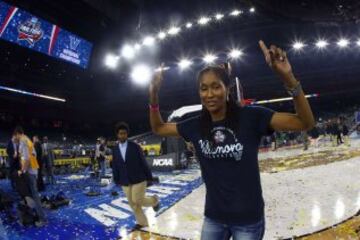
(263, 47)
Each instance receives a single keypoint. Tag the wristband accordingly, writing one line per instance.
(154, 107)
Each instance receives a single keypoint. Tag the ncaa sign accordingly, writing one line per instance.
(162, 162)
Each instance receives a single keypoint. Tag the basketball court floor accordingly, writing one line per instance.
(313, 194)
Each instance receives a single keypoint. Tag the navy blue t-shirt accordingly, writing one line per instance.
(229, 165)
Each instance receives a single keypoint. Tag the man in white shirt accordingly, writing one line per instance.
(29, 167)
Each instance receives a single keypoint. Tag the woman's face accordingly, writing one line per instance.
(213, 92)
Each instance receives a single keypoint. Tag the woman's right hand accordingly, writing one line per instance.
(155, 83)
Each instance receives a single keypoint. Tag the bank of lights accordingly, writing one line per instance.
(202, 20)
(128, 51)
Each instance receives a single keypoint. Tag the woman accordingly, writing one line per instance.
(226, 138)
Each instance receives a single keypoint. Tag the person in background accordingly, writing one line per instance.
(132, 173)
(12, 151)
(345, 132)
(48, 160)
(29, 167)
(102, 153)
(338, 131)
(38, 150)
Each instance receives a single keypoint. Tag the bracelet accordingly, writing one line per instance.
(295, 91)
(154, 107)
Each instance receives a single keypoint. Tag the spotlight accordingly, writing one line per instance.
(235, 13)
(111, 60)
(203, 20)
(219, 16)
(149, 41)
(128, 52)
(161, 35)
(141, 74)
(235, 53)
(209, 58)
(184, 63)
(137, 46)
(321, 44)
(298, 45)
(189, 25)
(358, 42)
(252, 10)
(342, 43)
(174, 30)
(160, 68)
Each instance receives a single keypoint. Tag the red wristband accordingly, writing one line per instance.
(154, 107)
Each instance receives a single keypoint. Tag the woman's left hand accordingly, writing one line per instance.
(277, 60)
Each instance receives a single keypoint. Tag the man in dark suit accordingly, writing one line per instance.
(132, 173)
(38, 150)
(48, 160)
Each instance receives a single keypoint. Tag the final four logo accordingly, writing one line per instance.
(30, 31)
(219, 137)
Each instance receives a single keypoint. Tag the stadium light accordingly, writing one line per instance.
(252, 10)
(219, 16)
(235, 13)
(189, 25)
(298, 45)
(235, 53)
(184, 64)
(162, 35)
(111, 60)
(343, 42)
(149, 41)
(141, 74)
(128, 52)
(137, 46)
(209, 58)
(174, 30)
(321, 44)
(203, 20)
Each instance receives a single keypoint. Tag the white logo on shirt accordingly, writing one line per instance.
(219, 137)
(232, 149)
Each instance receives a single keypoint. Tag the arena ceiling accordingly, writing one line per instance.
(102, 94)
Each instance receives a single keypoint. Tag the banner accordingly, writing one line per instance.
(24, 29)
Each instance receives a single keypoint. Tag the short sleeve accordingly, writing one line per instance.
(263, 118)
(188, 128)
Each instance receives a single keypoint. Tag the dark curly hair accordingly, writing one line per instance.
(122, 126)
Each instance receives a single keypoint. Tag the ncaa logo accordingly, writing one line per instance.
(161, 162)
